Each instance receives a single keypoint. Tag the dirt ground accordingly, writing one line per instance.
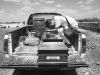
(92, 56)
(6, 71)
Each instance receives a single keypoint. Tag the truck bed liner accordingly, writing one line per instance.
(22, 60)
(25, 55)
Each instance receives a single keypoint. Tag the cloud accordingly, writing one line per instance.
(86, 7)
(13, 0)
(20, 14)
(2, 12)
(48, 9)
(91, 13)
(58, 5)
(89, 1)
(24, 12)
(36, 3)
(86, 4)
(31, 2)
(24, 2)
(25, 9)
(80, 2)
(48, 1)
(85, 1)
(68, 11)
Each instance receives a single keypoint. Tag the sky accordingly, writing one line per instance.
(19, 10)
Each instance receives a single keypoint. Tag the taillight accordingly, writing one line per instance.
(83, 43)
(6, 44)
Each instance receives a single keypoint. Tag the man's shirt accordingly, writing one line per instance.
(61, 20)
(72, 22)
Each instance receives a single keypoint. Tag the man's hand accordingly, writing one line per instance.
(66, 27)
(60, 31)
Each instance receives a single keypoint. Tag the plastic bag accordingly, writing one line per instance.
(31, 41)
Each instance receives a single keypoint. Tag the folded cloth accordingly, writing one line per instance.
(31, 41)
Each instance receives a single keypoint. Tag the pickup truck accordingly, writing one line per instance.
(49, 53)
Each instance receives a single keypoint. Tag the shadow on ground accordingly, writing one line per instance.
(54, 72)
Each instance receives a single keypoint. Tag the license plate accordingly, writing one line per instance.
(53, 57)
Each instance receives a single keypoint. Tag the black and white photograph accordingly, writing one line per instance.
(49, 37)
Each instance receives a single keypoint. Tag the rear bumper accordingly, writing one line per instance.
(46, 66)
(53, 65)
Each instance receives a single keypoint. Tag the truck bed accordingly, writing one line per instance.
(51, 53)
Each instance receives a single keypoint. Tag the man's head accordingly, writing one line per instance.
(50, 24)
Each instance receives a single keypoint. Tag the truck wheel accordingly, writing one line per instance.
(71, 72)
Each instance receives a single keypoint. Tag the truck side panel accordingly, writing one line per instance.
(2, 33)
